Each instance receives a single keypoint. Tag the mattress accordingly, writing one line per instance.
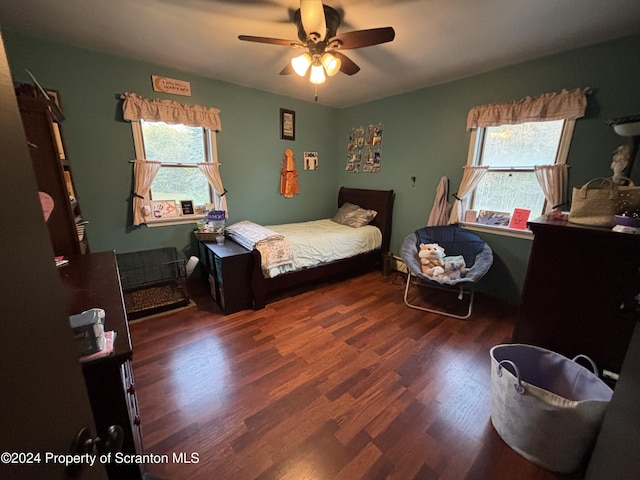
(321, 241)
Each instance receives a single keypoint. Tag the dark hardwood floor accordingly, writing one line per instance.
(341, 382)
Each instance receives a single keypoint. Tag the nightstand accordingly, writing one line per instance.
(228, 268)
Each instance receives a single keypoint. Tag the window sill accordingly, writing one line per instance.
(505, 231)
(166, 222)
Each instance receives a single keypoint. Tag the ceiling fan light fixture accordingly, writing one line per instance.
(301, 64)
(331, 64)
(317, 75)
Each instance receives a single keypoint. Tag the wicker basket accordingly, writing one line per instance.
(207, 237)
(628, 199)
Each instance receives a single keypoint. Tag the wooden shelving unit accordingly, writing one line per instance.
(53, 174)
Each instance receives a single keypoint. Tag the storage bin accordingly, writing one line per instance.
(545, 406)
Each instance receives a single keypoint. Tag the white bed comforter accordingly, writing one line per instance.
(321, 241)
(275, 250)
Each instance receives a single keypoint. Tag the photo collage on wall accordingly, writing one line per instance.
(364, 153)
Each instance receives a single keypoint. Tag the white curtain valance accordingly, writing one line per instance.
(567, 105)
(136, 108)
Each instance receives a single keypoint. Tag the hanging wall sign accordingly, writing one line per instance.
(171, 85)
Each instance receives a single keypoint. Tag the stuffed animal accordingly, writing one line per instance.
(454, 268)
(431, 259)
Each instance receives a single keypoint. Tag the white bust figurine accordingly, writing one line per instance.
(619, 163)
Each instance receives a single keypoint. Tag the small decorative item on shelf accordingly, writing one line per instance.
(212, 226)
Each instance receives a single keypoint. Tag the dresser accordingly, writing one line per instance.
(93, 281)
(580, 292)
(228, 268)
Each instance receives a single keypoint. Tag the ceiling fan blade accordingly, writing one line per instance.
(270, 41)
(313, 21)
(287, 70)
(348, 66)
(364, 38)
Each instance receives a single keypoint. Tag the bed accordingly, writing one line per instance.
(379, 200)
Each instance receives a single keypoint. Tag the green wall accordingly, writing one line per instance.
(424, 136)
(100, 144)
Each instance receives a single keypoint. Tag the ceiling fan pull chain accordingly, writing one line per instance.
(315, 98)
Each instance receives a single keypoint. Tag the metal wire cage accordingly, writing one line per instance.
(153, 281)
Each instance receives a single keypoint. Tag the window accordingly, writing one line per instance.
(513, 144)
(511, 152)
(179, 137)
(179, 148)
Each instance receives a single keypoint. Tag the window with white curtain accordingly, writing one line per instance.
(517, 157)
(176, 158)
(179, 148)
(511, 152)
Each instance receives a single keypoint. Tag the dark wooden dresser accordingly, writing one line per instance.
(580, 292)
(93, 281)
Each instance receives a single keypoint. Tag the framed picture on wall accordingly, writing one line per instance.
(287, 124)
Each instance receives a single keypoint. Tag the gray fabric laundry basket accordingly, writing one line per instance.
(545, 406)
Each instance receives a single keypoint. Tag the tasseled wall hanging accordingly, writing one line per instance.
(288, 175)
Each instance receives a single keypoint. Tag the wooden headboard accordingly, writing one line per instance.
(379, 200)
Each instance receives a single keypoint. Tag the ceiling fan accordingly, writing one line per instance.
(317, 26)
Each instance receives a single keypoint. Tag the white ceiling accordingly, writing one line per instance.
(436, 40)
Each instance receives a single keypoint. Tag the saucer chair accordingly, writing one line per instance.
(455, 240)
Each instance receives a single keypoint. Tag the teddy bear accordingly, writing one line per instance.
(431, 259)
(454, 268)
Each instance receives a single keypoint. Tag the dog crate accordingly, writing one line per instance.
(153, 281)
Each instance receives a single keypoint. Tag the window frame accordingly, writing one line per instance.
(210, 143)
(476, 144)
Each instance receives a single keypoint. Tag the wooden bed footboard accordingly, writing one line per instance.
(379, 200)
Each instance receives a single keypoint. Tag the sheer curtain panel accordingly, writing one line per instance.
(211, 171)
(553, 182)
(144, 171)
(470, 178)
